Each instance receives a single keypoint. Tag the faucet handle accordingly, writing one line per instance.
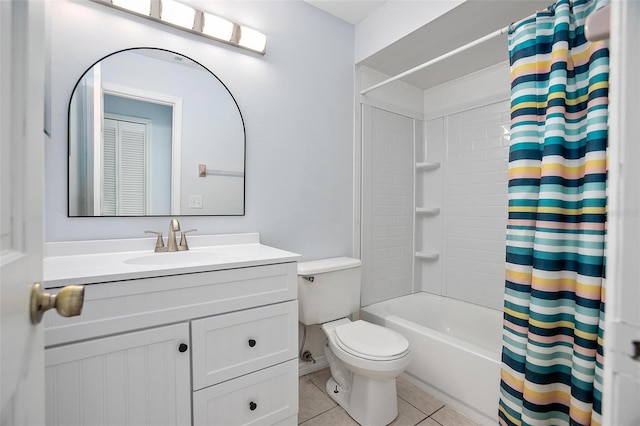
(183, 246)
(159, 242)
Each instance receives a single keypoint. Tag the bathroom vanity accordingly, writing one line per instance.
(207, 336)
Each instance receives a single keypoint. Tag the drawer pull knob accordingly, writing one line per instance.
(252, 343)
(252, 406)
(183, 347)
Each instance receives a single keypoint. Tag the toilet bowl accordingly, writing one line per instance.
(368, 349)
(365, 359)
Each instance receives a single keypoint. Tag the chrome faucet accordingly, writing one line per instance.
(172, 244)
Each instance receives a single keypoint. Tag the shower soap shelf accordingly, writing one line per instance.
(428, 255)
(428, 211)
(427, 165)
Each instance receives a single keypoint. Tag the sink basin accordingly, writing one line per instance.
(175, 258)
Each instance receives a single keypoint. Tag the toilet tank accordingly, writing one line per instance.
(328, 289)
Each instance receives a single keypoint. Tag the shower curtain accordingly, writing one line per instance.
(554, 282)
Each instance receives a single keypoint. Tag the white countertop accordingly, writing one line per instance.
(88, 262)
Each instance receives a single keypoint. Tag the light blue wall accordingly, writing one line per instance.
(297, 102)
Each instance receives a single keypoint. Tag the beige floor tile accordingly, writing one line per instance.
(334, 417)
(319, 378)
(408, 415)
(447, 416)
(428, 422)
(312, 401)
(417, 397)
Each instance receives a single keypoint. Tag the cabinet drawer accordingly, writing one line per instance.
(265, 397)
(117, 307)
(230, 345)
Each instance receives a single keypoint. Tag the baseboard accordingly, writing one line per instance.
(309, 367)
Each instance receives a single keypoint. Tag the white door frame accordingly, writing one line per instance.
(622, 321)
(176, 129)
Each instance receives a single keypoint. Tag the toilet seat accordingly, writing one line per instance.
(371, 341)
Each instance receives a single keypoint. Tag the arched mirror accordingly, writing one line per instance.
(154, 133)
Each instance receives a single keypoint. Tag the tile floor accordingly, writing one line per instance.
(415, 406)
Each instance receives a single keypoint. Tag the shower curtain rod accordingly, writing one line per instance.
(438, 59)
(596, 28)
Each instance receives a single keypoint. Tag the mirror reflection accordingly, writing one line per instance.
(154, 133)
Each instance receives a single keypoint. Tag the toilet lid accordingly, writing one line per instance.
(371, 341)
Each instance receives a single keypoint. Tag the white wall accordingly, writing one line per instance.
(387, 267)
(388, 141)
(394, 20)
(429, 227)
(476, 203)
(399, 97)
(297, 103)
(479, 88)
(468, 133)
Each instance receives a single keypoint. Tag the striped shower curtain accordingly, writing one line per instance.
(554, 283)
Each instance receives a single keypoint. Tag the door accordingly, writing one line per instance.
(125, 167)
(622, 329)
(138, 378)
(21, 207)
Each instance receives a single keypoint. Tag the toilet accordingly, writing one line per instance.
(364, 358)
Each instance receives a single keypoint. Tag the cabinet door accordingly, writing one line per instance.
(130, 379)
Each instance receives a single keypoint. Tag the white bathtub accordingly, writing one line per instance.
(455, 349)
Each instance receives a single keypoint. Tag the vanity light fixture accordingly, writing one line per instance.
(187, 18)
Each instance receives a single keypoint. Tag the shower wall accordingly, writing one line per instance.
(387, 203)
(471, 141)
(474, 211)
(434, 193)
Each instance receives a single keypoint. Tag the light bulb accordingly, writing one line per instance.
(217, 27)
(177, 14)
(142, 7)
(252, 39)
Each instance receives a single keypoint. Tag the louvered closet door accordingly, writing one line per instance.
(109, 153)
(124, 168)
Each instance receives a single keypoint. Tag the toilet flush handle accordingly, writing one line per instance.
(308, 278)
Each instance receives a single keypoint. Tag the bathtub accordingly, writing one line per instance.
(455, 349)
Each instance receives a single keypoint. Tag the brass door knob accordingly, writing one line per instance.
(68, 302)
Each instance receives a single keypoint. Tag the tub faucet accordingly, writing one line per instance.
(174, 226)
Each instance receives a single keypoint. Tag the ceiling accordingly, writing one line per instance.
(461, 25)
(351, 11)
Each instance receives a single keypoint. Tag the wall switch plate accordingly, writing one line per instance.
(195, 201)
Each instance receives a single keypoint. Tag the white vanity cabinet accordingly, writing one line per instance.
(212, 347)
